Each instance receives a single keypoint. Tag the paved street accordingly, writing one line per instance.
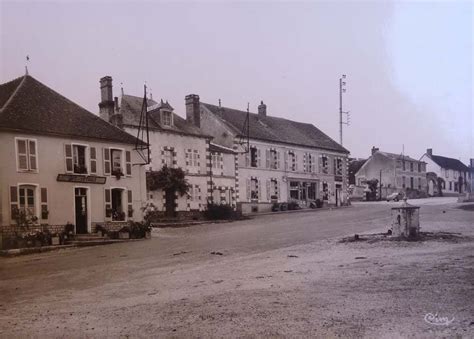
(278, 275)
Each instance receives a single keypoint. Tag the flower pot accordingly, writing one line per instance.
(124, 235)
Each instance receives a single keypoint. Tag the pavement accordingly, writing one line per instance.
(281, 275)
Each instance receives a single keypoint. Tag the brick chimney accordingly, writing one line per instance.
(193, 109)
(262, 109)
(106, 105)
(429, 151)
(374, 149)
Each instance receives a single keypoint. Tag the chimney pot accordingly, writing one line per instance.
(429, 151)
(262, 109)
(374, 150)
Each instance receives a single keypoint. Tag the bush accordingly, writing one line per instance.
(319, 203)
(218, 212)
(139, 229)
(293, 205)
(275, 207)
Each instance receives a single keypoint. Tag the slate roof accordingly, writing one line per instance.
(398, 156)
(29, 106)
(131, 107)
(449, 163)
(276, 129)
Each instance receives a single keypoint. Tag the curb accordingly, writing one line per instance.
(189, 223)
(31, 250)
(306, 210)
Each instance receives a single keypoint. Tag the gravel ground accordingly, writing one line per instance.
(326, 288)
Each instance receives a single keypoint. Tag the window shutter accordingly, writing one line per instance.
(93, 158)
(68, 158)
(305, 159)
(22, 154)
(285, 156)
(267, 158)
(278, 190)
(320, 163)
(108, 203)
(247, 159)
(13, 202)
(128, 163)
(248, 189)
(221, 159)
(296, 162)
(130, 203)
(335, 165)
(259, 158)
(32, 154)
(107, 162)
(44, 203)
(269, 182)
(259, 189)
(278, 159)
(313, 163)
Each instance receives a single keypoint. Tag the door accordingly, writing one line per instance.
(338, 195)
(80, 201)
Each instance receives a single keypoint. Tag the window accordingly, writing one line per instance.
(403, 182)
(292, 161)
(450, 185)
(412, 185)
(419, 167)
(404, 165)
(253, 157)
(129, 204)
(217, 161)
(411, 167)
(26, 155)
(273, 192)
(44, 203)
(79, 159)
(23, 202)
(273, 159)
(254, 189)
(194, 193)
(324, 164)
(312, 191)
(294, 190)
(168, 158)
(325, 191)
(419, 184)
(338, 167)
(166, 118)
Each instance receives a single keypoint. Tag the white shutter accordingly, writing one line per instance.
(269, 182)
(107, 162)
(128, 163)
(259, 190)
(259, 158)
(267, 158)
(278, 159)
(278, 190)
(248, 189)
(296, 162)
(32, 154)
(320, 163)
(305, 156)
(22, 154)
(68, 158)
(93, 160)
(285, 156)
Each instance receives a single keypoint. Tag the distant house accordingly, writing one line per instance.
(452, 173)
(395, 172)
(60, 163)
(175, 142)
(354, 166)
(282, 160)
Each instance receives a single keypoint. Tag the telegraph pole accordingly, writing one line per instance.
(342, 89)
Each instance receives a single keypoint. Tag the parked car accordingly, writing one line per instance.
(395, 196)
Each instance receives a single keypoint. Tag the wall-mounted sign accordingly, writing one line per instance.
(84, 179)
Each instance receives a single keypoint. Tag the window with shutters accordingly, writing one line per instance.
(254, 189)
(27, 202)
(93, 160)
(129, 204)
(79, 159)
(325, 164)
(292, 161)
(403, 182)
(253, 156)
(274, 189)
(128, 163)
(412, 185)
(274, 159)
(116, 158)
(26, 154)
(338, 167)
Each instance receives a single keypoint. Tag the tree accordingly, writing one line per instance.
(372, 185)
(171, 181)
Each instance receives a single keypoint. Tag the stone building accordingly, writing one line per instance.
(452, 173)
(396, 172)
(284, 161)
(175, 142)
(62, 164)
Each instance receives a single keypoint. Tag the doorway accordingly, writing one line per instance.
(338, 195)
(80, 206)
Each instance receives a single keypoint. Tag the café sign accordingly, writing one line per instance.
(83, 179)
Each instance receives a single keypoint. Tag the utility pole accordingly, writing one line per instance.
(342, 89)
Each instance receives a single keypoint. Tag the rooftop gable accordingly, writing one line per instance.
(449, 163)
(276, 129)
(32, 107)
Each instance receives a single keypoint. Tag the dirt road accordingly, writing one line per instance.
(283, 276)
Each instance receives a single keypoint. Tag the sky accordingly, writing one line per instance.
(408, 65)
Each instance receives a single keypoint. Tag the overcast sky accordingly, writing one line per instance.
(408, 64)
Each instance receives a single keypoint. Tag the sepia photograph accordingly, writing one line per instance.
(236, 169)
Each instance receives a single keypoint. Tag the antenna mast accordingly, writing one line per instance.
(342, 89)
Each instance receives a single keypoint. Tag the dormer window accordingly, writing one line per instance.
(166, 118)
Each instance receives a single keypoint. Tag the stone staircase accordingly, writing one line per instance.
(91, 239)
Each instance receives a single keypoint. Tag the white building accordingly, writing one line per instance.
(285, 161)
